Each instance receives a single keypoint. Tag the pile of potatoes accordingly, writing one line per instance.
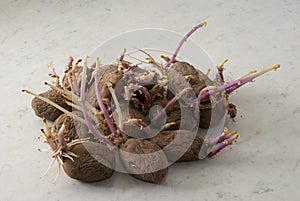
(92, 160)
(141, 119)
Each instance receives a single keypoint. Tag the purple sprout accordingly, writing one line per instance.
(233, 85)
(221, 142)
(125, 64)
(167, 125)
(70, 61)
(203, 24)
(95, 132)
(224, 136)
(101, 104)
(220, 76)
(140, 89)
(169, 104)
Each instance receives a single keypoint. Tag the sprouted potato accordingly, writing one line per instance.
(94, 94)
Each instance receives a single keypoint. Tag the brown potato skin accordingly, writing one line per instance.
(78, 69)
(139, 146)
(198, 80)
(43, 109)
(109, 74)
(179, 145)
(73, 129)
(85, 167)
(174, 115)
(129, 112)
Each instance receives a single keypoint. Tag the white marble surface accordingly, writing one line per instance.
(263, 165)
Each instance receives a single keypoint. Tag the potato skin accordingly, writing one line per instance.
(109, 74)
(129, 112)
(87, 168)
(174, 147)
(73, 129)
(174, 115)
(136, 164)
(78, 69)
(43, 109)
(198, 80)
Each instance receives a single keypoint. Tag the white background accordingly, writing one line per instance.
(263, 165)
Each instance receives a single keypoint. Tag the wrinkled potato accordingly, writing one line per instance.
(45, 110)
(179, 145)
(138, 159)
(73, 129)
(92, 164)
